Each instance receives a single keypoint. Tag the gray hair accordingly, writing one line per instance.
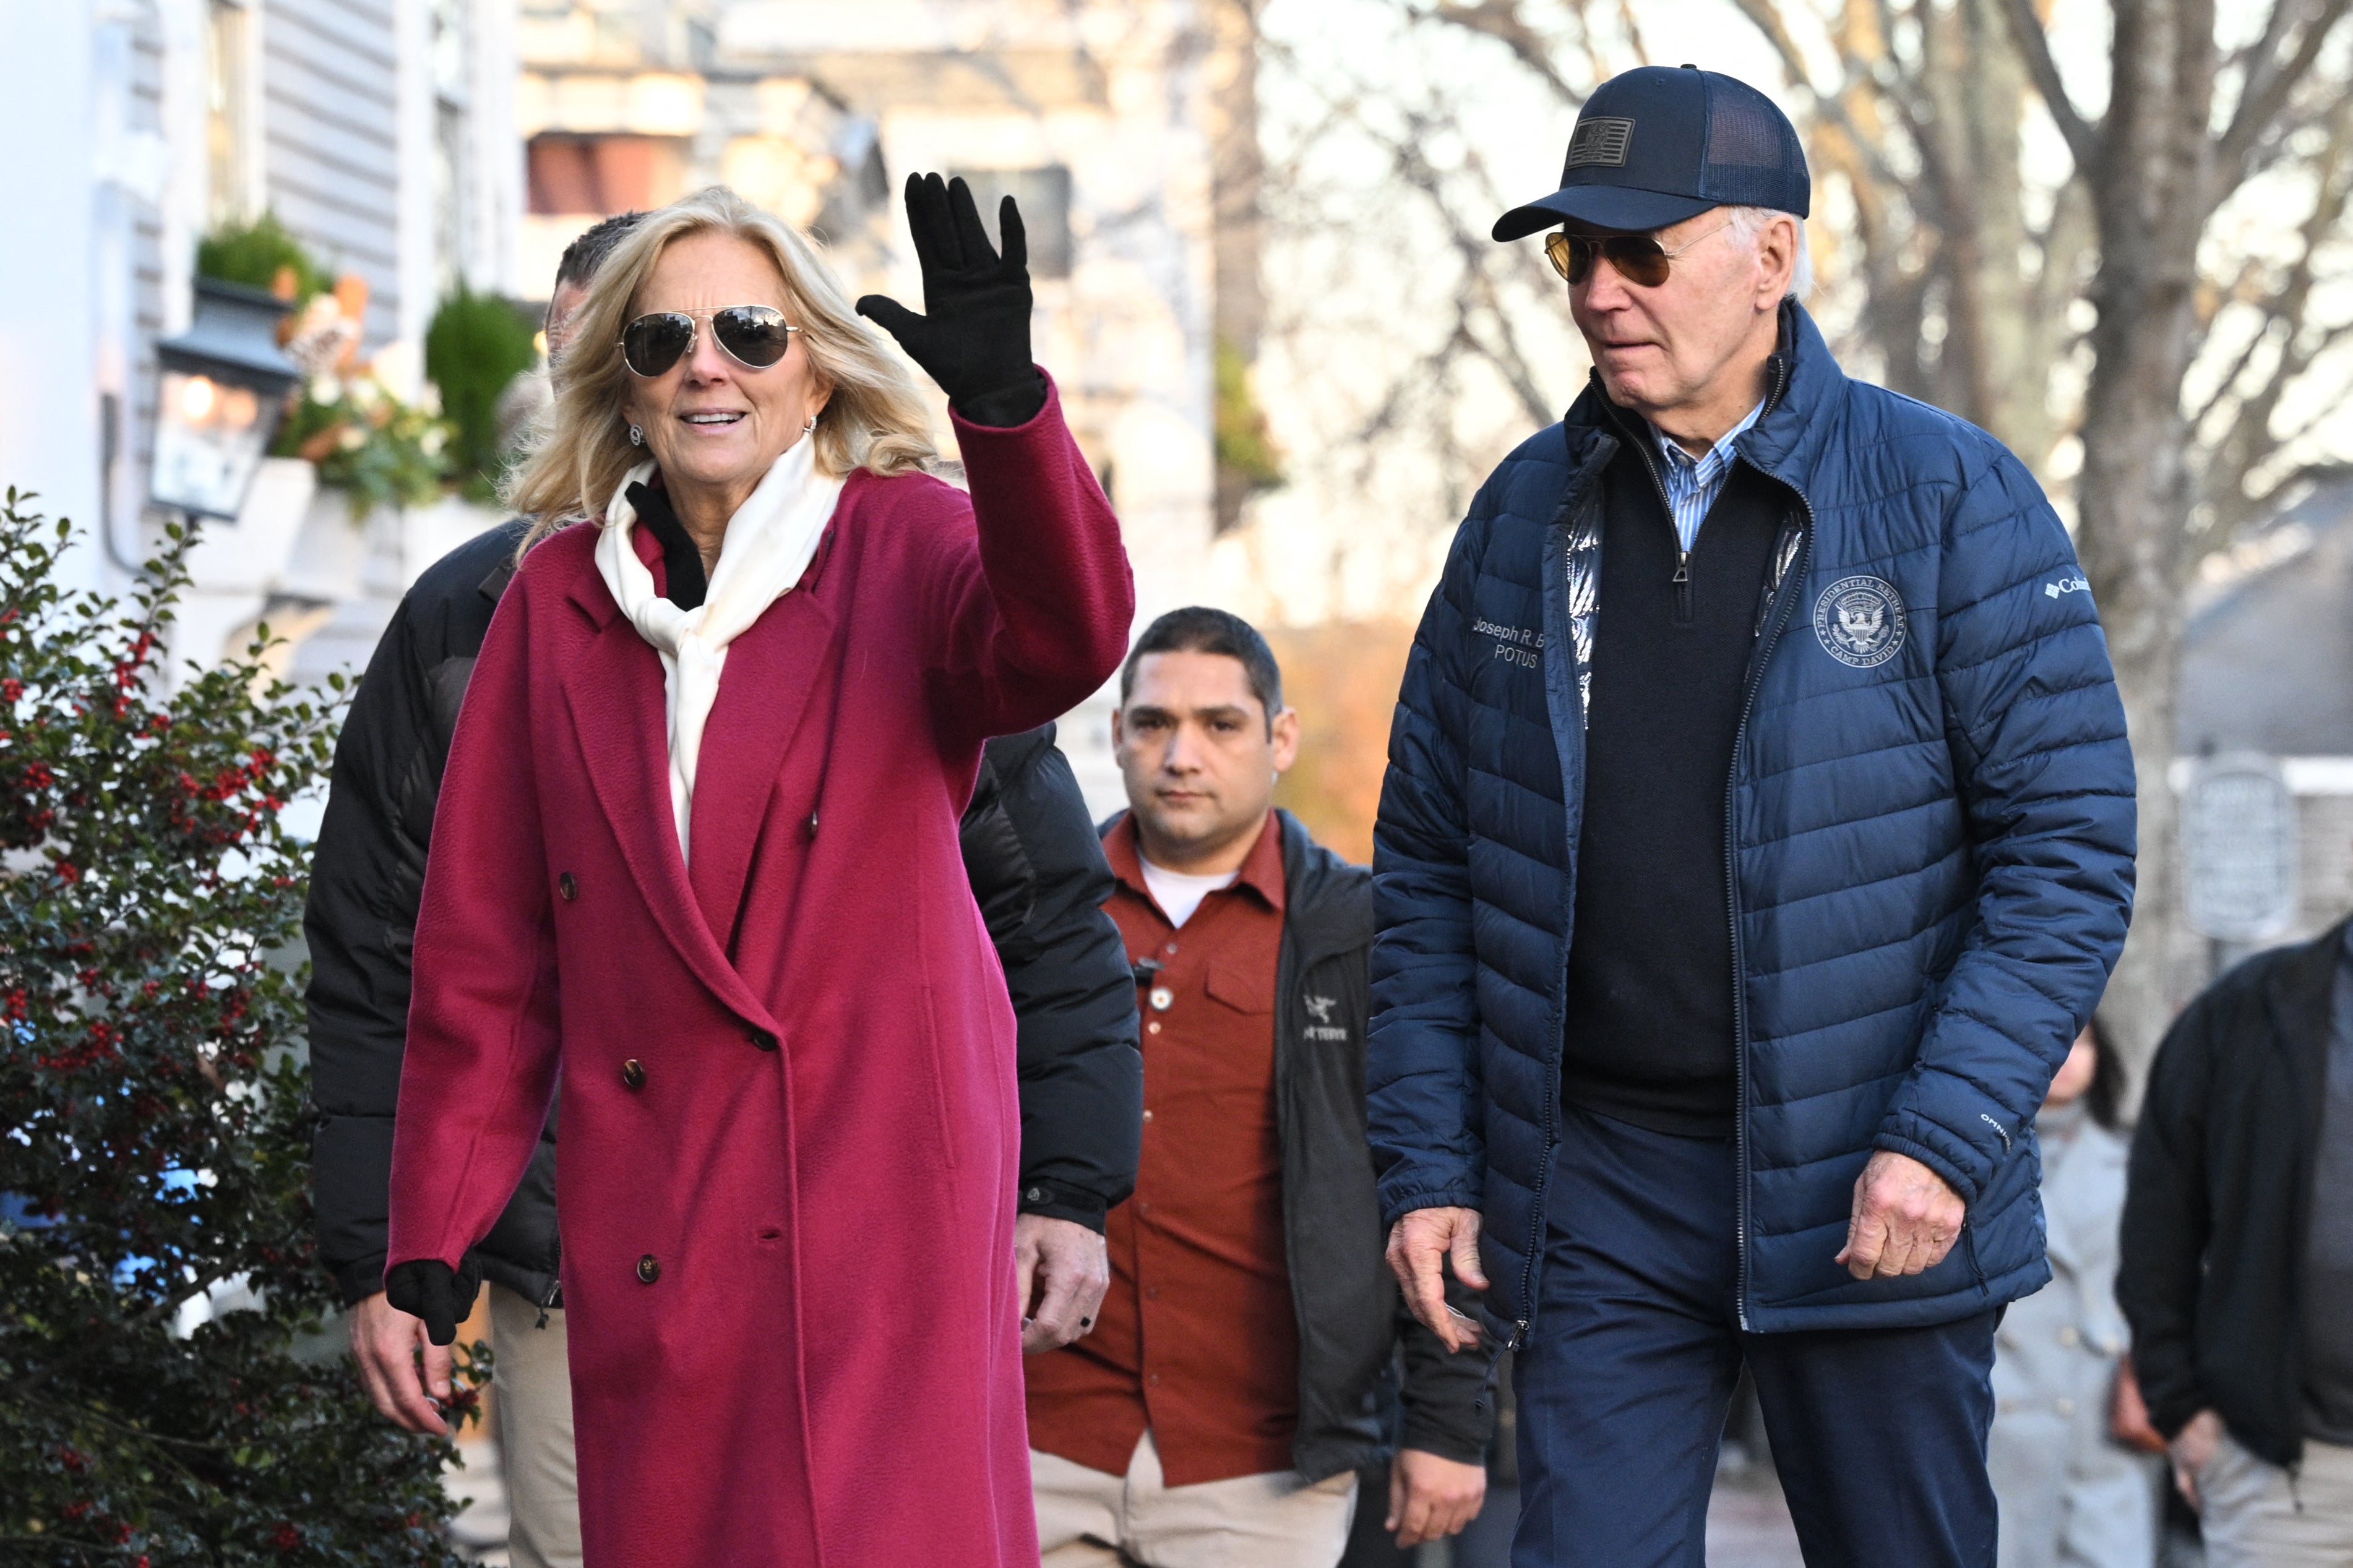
(1748, 226)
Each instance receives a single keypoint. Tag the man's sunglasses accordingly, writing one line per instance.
(754, 335)
(1639, 258)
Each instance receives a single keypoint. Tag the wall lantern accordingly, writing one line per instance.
(225, 386)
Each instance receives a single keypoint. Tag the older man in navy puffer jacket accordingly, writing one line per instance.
(1757, 834)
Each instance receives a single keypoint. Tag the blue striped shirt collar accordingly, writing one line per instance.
(1693, 483)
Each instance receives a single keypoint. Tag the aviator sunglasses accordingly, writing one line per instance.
(1639, 258)
(755, 336)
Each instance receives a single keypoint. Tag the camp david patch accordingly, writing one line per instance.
(1860, 621)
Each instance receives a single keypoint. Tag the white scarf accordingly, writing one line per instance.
(769, 543)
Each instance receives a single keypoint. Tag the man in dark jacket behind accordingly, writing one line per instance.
(1758, 836)
(1037, 874)
(2237, 1269)
(1236, 1385)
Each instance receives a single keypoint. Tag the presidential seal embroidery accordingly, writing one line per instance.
(1860, 621)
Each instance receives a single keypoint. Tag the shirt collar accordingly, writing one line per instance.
(1717, 456)
(1261, 873)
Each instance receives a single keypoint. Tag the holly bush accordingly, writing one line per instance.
(153, 1129)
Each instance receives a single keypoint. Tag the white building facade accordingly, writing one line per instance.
(381, 132)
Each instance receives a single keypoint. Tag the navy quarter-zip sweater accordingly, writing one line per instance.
(1648, 1029)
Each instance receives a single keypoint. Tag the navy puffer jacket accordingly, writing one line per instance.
(1930, 825)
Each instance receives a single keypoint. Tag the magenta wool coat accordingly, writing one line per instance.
(790, 1120)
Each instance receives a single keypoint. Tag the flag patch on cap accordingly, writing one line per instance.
(1599, 140)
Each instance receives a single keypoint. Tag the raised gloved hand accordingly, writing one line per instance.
(973, 338)
(429, 1288)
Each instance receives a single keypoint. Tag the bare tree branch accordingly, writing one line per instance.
(2084, 138)
(2265, 94)
(1501, 20)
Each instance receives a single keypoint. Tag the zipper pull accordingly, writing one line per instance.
(1519, 1334)
(1683, 567)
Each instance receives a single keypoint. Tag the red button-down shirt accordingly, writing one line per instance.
(1197, 1338)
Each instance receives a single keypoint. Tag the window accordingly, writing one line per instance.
(600, 176)
(450, 234)
(228, 114)
(1043, 195)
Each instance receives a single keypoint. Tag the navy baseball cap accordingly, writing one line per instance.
(1660, 144)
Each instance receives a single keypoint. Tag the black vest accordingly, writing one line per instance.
(1648, 1036)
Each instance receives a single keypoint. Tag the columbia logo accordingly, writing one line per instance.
(2066, 585)
(1997, 1126)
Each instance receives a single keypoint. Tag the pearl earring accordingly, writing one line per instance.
(637, 436)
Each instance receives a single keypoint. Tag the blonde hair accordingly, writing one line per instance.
(579, 447)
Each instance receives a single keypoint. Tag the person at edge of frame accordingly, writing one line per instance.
(2078, 1485)
(1758, 836)
(1253, 1351)
(2237, 1271)
(1037, 872)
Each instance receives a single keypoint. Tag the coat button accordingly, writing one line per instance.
(2069, 1337)
(633, 1073)
(648, 1269)
(1147, 1116)
(568, 887)
(1034, 1195)
(1162, 999)
(761, 1040)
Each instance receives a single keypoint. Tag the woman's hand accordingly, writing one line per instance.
(405, 1374)
(973, 339)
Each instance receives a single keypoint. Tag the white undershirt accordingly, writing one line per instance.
(1179, 895)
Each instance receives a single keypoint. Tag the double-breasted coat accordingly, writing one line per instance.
(791, 1125)
(2071, 1496)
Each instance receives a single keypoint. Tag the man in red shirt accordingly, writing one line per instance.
(1252, 1354)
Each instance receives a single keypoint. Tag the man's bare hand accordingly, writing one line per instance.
(1431, 1497)
(1063, 1271)
(406, 1373)
(2192, 1449)
(1419, 1245)
(1906, 1219)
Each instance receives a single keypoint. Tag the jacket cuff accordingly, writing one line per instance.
(1922, 1141)
(356, 1281)
(1432, 1438)
(1394, 1209)
(1006, 407)
(1054, 1201)
(2171, 1409)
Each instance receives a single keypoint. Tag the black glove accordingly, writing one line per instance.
(426, 1287)
(974, 339)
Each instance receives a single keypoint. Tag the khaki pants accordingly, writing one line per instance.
(533, 1375)
(1087, 1519)
(2255, 1516)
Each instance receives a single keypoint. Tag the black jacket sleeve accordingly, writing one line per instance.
(1448, 1411)
(2167, 1224)
(367, 873)
(367, 876)
(1038, 874)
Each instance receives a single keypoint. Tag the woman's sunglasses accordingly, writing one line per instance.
(754, 335)
(1639, 258)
